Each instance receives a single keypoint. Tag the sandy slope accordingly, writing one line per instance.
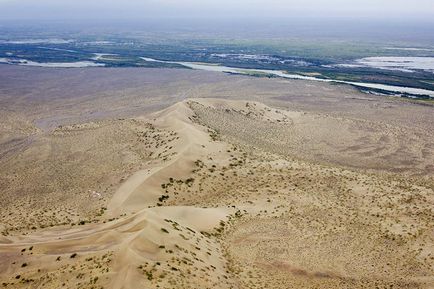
(155, 245)
(234, 200)
(144, 187)
(131, 242)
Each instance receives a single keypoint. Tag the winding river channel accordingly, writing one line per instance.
(279, 73)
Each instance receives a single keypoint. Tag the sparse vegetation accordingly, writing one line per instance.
(245, 208)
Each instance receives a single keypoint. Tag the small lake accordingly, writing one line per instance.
(25, 62)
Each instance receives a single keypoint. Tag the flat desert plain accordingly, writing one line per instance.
(172, 178)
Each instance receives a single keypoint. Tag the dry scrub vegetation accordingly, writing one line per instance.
(67, 176)
(218, 193)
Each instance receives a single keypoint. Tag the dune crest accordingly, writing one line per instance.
(227, 197)
(142, 234)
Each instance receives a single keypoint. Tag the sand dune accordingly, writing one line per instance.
(238, 194)
(135, 245)
(144, 188)
(146, 243)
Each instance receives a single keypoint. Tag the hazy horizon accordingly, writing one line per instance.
(150, 9)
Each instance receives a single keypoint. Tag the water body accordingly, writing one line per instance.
(58, 49)
(99, 56)
(25, 62)
(219, 68)
(404, 64)
(38, 41)
(409, 48)
(407, 64)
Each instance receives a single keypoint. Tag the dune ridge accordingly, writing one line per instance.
(143, 234)
(232, 201)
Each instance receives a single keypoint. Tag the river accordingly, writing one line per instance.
(279, 73)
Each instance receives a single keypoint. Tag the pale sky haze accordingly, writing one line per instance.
(142, 9)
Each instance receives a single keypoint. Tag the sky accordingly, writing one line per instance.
(143, 9)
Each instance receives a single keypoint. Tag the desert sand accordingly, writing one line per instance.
(201, 180)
